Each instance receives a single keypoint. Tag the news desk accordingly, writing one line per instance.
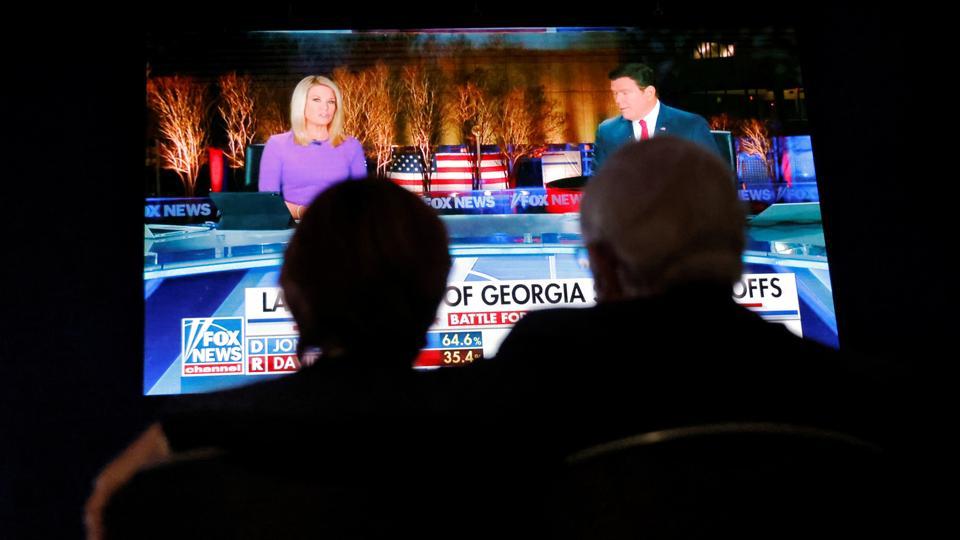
(197, 277)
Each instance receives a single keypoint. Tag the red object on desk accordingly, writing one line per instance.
(216, 169)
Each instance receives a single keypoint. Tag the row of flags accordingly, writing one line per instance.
(455, 170)
(450, 171)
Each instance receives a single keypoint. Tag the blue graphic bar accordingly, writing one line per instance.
(453, 340)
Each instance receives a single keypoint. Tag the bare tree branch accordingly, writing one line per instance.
(526, 121)
(181, 106)
(475, 108)
(380, 114)
(356, 100)
(422, 96)
(236, 109)
(755, 141)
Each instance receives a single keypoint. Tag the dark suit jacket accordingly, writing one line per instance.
(579, 377)
(613, 133)
(338, 407)
(346, 448)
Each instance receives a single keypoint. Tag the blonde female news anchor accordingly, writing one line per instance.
(316, 153)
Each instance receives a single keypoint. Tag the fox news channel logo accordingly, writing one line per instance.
(212, 346)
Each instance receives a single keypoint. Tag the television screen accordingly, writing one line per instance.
(495, 129)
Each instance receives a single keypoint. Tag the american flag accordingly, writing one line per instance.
(451, 171)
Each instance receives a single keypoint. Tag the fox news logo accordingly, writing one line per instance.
(212, 346)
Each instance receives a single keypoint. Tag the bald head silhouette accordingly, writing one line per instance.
(661, 213)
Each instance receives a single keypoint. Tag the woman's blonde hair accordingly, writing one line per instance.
(298, 104)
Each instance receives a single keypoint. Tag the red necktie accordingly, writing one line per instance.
(644, 134)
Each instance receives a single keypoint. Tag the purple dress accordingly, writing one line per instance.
(302, 172)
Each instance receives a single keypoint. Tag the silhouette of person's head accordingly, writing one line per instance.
(661, 213)
(365, 271)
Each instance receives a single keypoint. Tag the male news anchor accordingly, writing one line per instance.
(643, 116)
